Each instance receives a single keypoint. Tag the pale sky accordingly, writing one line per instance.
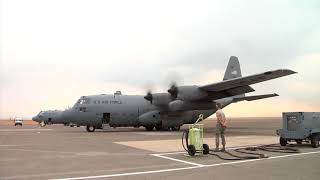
(53, 52)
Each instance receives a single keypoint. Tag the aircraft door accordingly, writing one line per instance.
(106, 117)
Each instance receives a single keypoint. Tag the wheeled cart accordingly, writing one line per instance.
(300, 127)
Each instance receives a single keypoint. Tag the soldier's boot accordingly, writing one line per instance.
(223, 149)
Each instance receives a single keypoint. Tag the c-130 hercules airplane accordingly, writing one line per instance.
(169, 110)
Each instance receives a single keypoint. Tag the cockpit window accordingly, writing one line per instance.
(84, 101)
(41, 113)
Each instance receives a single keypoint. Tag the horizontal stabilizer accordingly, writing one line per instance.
(252, 98)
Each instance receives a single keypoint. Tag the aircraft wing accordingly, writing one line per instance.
(247, 80)
(252, 98)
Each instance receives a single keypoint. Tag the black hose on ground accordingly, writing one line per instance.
(248, 150)
(236, 157)
(274, 148)
(184, 138)
(223, 158)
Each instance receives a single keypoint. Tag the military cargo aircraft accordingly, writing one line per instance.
(168, 110)
(50, 117)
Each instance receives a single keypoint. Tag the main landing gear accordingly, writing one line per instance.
(91, 128)
(160, 128)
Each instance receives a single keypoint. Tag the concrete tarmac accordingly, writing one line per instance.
(58, 152)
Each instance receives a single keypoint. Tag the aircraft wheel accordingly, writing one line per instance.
(315, 141)
(283, 141)
(158, 128)
(191, 150)
(175, 128)
(42, 124)
(90, 128)
(149, 128)
(205, 148)
(299, 141)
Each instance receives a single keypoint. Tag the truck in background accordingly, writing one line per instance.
(18, 121)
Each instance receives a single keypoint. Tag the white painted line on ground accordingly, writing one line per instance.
(3, 145)
(186, 168)
(129, 174)
(234, 147)
(21, 130)
(37, 150)
(178, 160)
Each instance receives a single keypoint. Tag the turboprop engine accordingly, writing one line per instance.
(160, 99)
(187, 93)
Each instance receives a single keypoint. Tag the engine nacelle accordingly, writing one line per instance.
(150, 118)
(161, 99)
(190, 93)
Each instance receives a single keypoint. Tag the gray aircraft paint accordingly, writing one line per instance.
(50, 117)
(125, 110)
(180, 105)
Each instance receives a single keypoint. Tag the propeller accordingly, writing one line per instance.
(149, 97)
(173, 90)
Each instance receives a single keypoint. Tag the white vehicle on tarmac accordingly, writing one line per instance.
(18, 121)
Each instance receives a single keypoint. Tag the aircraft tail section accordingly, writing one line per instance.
(233, 69)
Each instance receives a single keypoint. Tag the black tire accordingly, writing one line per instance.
(158, 128)
(315, 141)
(149, 128)
(91, 128)
(205, 148)
(191, 150)
(283, 141)
(175, 128)
(299, 141)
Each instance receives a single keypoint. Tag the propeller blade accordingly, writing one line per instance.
(149, 97)
(173, 90)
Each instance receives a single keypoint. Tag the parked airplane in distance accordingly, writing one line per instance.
(168, 110)
(50, 117)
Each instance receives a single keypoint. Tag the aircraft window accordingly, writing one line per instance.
(81, 101)
(87, 101)
(84, 101)
(98, 102)
(41, 113)
(82, 109)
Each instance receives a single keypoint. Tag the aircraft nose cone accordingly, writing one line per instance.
(35, 118)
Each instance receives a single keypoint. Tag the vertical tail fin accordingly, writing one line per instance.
(233, 69)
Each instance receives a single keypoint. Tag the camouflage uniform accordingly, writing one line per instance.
(220, 132)
(220, 129)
